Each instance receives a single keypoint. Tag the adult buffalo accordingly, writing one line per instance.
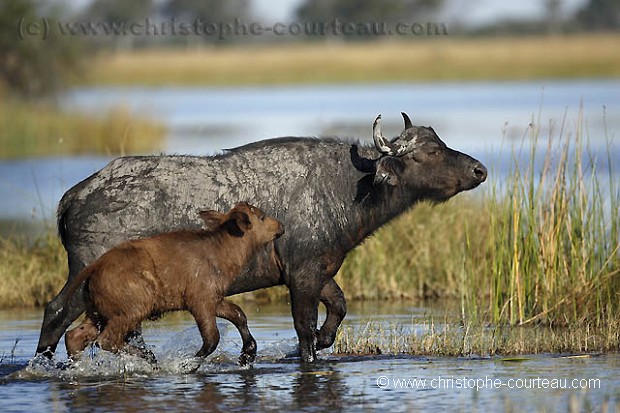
(329, 194)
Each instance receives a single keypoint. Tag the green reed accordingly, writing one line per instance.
(553, 237)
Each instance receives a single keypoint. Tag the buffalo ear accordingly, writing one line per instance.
(241, 219)
(212, 219)
(388, 170)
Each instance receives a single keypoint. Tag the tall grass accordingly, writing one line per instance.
(555, 237)
(31, 273)
(28, 129)
(434, 245)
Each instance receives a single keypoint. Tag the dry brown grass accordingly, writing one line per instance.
(31, 273)
(442, 58)
(28, 129)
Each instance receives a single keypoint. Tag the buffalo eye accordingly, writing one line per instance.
(433, 150)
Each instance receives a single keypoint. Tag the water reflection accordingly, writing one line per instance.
(283, 388)
(321, 385)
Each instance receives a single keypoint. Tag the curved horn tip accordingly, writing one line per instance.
(408, 123)
(376, 125)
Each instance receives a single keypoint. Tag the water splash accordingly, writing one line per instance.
(277, 350)
(95, 363)
(175, 356)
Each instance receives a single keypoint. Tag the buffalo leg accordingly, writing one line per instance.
(305, 306)
(112, 338)
(57, 318)
(235, 315)
(336, 306)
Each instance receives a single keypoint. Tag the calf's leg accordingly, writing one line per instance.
(119, 334)
(112, 338)
(235, 315)
(208, 331)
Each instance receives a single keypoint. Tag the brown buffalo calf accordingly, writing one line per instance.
(183, 270)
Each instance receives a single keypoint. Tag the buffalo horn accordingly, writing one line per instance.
(383, 145)
(408, 123)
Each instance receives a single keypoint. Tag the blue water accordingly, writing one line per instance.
(482, 119)
(106, 383)
(467, 115)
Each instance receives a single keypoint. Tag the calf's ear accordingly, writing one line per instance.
(212, 219)
(241, 219)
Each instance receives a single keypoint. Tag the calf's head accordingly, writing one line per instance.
(418, 160)
(244, 220)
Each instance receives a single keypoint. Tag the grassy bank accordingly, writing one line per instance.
(433, 59)
(448, 337)
(42, 130)
(31, 273)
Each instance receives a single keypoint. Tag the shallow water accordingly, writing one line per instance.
(276, 381)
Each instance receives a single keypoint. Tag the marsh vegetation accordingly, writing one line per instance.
(34, 130)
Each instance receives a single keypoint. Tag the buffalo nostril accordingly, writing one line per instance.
(480, 172)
